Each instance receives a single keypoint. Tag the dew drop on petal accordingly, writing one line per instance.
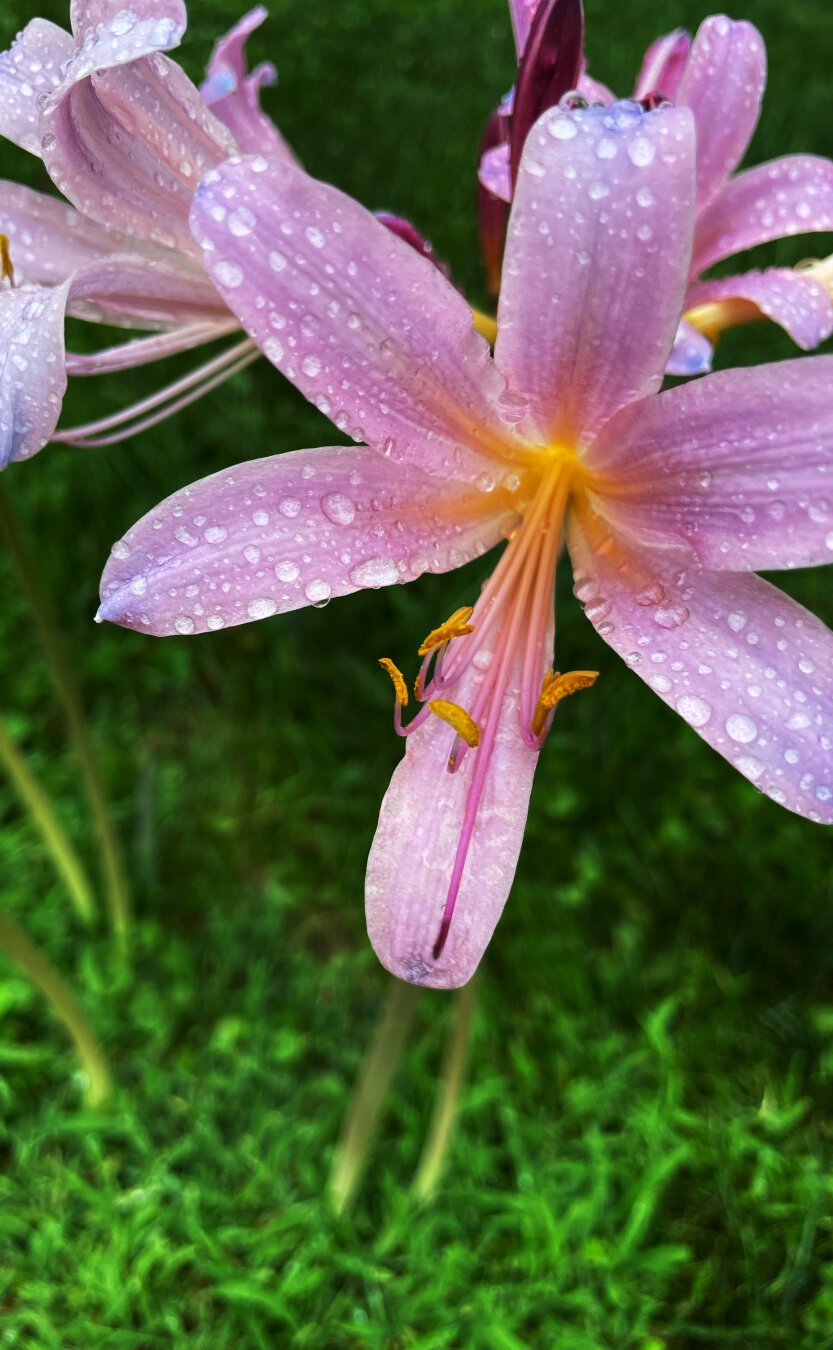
(696, 711)
(261, 609)
(741, 728)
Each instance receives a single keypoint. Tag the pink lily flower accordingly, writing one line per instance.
(126, 137)
(668, 502)
(721, 76)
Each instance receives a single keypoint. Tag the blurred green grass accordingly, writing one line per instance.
(643, 1157)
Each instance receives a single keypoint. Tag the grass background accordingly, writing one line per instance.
(643, 1156)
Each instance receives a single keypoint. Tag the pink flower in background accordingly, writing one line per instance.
(126, 137)
(721, 76)
(668, 502)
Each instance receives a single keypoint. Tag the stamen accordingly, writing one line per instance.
(555, 687)
(400, 688)
(6, 264)
(457, 717)
(457, 626)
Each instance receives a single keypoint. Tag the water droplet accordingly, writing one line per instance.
(184, 624)
(311, 366)
(374, 572)
(228, 274)
(289, 507)
(696, 711)
(261, 609)
(315, 236)
(242, 221)
(741, 728)
(318, 593)
(338, 508)
(277, 260)
(671, 616)
(287, 570)
(640, 152)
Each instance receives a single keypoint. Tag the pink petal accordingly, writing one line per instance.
(413, 852)
(32, 368)
(691, 354)
(596, 259)
(29, 70)
(368, 330)
(276, 534)
(749, 668)
(793, 195)
(795, 300)
(663, 66)
(135, 291)
(234, 95)
(107, 34)
(723, 84)
(48, 239)
(594, 91)
(550, 67)
(494, 173)
(737, 466)
(128, 143)
(522, 12)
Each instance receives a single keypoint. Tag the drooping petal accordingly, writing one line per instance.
(795, 300)
(105, 32)
(234, 95)
(793, 195)
(413, 852)
(723, 84)
(550, 67)
(126, 137)
(367, 329)
(737, 466)
(48, 239)
(749, 668)
(663, 66)
(691, 354)
(32, 368)
(30, 70)
(296, 529)
(596, 260)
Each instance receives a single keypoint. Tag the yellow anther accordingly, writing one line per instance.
(457, 626)
(555, 687)
(6, 264)
(457, 717)
(400, 688)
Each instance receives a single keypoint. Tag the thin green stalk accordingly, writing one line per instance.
(55, 990)
(450, 1087)
(39, 806)
(118, 897)
(369, 1095)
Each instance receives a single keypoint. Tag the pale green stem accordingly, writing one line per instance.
(54, 988)
(380, 1064)
(450, 1087)
(40, 808)
(118, 898)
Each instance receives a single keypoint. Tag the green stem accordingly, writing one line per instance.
(118, 898)
(21, 949)
(441, 1129)
(40, 808)
(371, 1090)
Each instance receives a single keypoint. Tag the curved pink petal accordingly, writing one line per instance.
(234, 95)
(296, 529)
(749, 668)
(413, 851)
(29, 70)
(663, 66)
(723, 84)
(793, 195)
(522, 12)
(107, 33)
(691, 354)
(494, 173)
(32, 368)
(737, 466)
(593, 90)
(596, 260)
(126, 137)
(795, 300)
(136, 291)
(48, 239)
(550, 67)
(368, 330)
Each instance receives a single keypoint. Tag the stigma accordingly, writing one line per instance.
(6, 264)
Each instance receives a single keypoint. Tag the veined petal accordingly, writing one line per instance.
(723, 84)
(368, 330)
(413, 852)
(32, 368)
(126, 137)
(234, 95)
(596, 260)
(737, 467)
(29, 70)
(272, 535)
(663, 66)
(106, 33)
(48, 238)
(749, 668)
(795, 300)
(793, 195)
